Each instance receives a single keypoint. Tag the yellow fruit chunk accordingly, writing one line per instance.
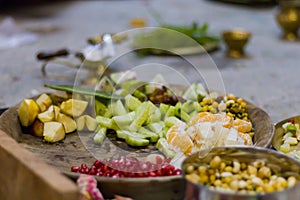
(73, 107)
(56, 112)
(47, 116)
(80, 121)
(44, 101)
(242, 125)
(28, 111)
(37, 128)
(53, 131)
(90, 123)
(68, 122)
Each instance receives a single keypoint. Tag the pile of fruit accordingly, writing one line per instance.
(52, 121)
(142, 113)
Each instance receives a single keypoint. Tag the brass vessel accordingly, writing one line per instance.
(288, 18)
(236, 41)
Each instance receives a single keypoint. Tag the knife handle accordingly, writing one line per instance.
(46, 55)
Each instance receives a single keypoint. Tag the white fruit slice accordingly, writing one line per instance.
(73, 107)
(68, 122)
(53, 131)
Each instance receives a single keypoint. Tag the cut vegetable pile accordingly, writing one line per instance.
(142, 113)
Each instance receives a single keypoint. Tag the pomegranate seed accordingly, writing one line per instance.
(75, 169)
(177, 172)
(98, 164)
(292, 121)
(83, 166)
(92, 171)
(152, 174)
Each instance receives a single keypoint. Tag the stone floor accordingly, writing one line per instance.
(268, 77)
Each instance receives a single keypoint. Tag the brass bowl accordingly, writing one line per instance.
(279, 132)
(236, 41)
(278, 162)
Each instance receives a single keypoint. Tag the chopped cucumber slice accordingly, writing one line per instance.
(170, 121)
(188, 106)
(156, 127)
(195, 92)
(165, 148)
(100, 135)
(170, 112)
(124, 120)
(154, 117)
(132, 85)
(153, 137)
(184, 116)
(131, 102)
(118, 108)
(100, 108)
(136, 141)
(138, 94)
(163, 109)
(106, 122)
(177, 109)
(141, 116)
(108, 113)
(123, 134)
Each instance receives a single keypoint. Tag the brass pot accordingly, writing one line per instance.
(288, 18)
(236, 41)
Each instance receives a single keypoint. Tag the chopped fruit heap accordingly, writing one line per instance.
(207, 130)
(128, 167)
(291, 136)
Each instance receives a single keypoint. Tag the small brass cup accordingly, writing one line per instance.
(288, 18)
(236, 40)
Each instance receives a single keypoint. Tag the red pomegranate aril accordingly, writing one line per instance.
(98, 164)
(83, 171)
(152, 174)
(92, 171)
(83, 166)
(177, 172)
(75, 169)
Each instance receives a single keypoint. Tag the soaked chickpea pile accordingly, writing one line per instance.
(233, 106)
(234, 176)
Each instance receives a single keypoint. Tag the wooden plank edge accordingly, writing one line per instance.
(25, 176)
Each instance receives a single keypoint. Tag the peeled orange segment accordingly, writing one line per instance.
(179, 139)
(242, 125)
(174, 130)
(202, 117)
(224, 119)
(183, 143)
(246, 138)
